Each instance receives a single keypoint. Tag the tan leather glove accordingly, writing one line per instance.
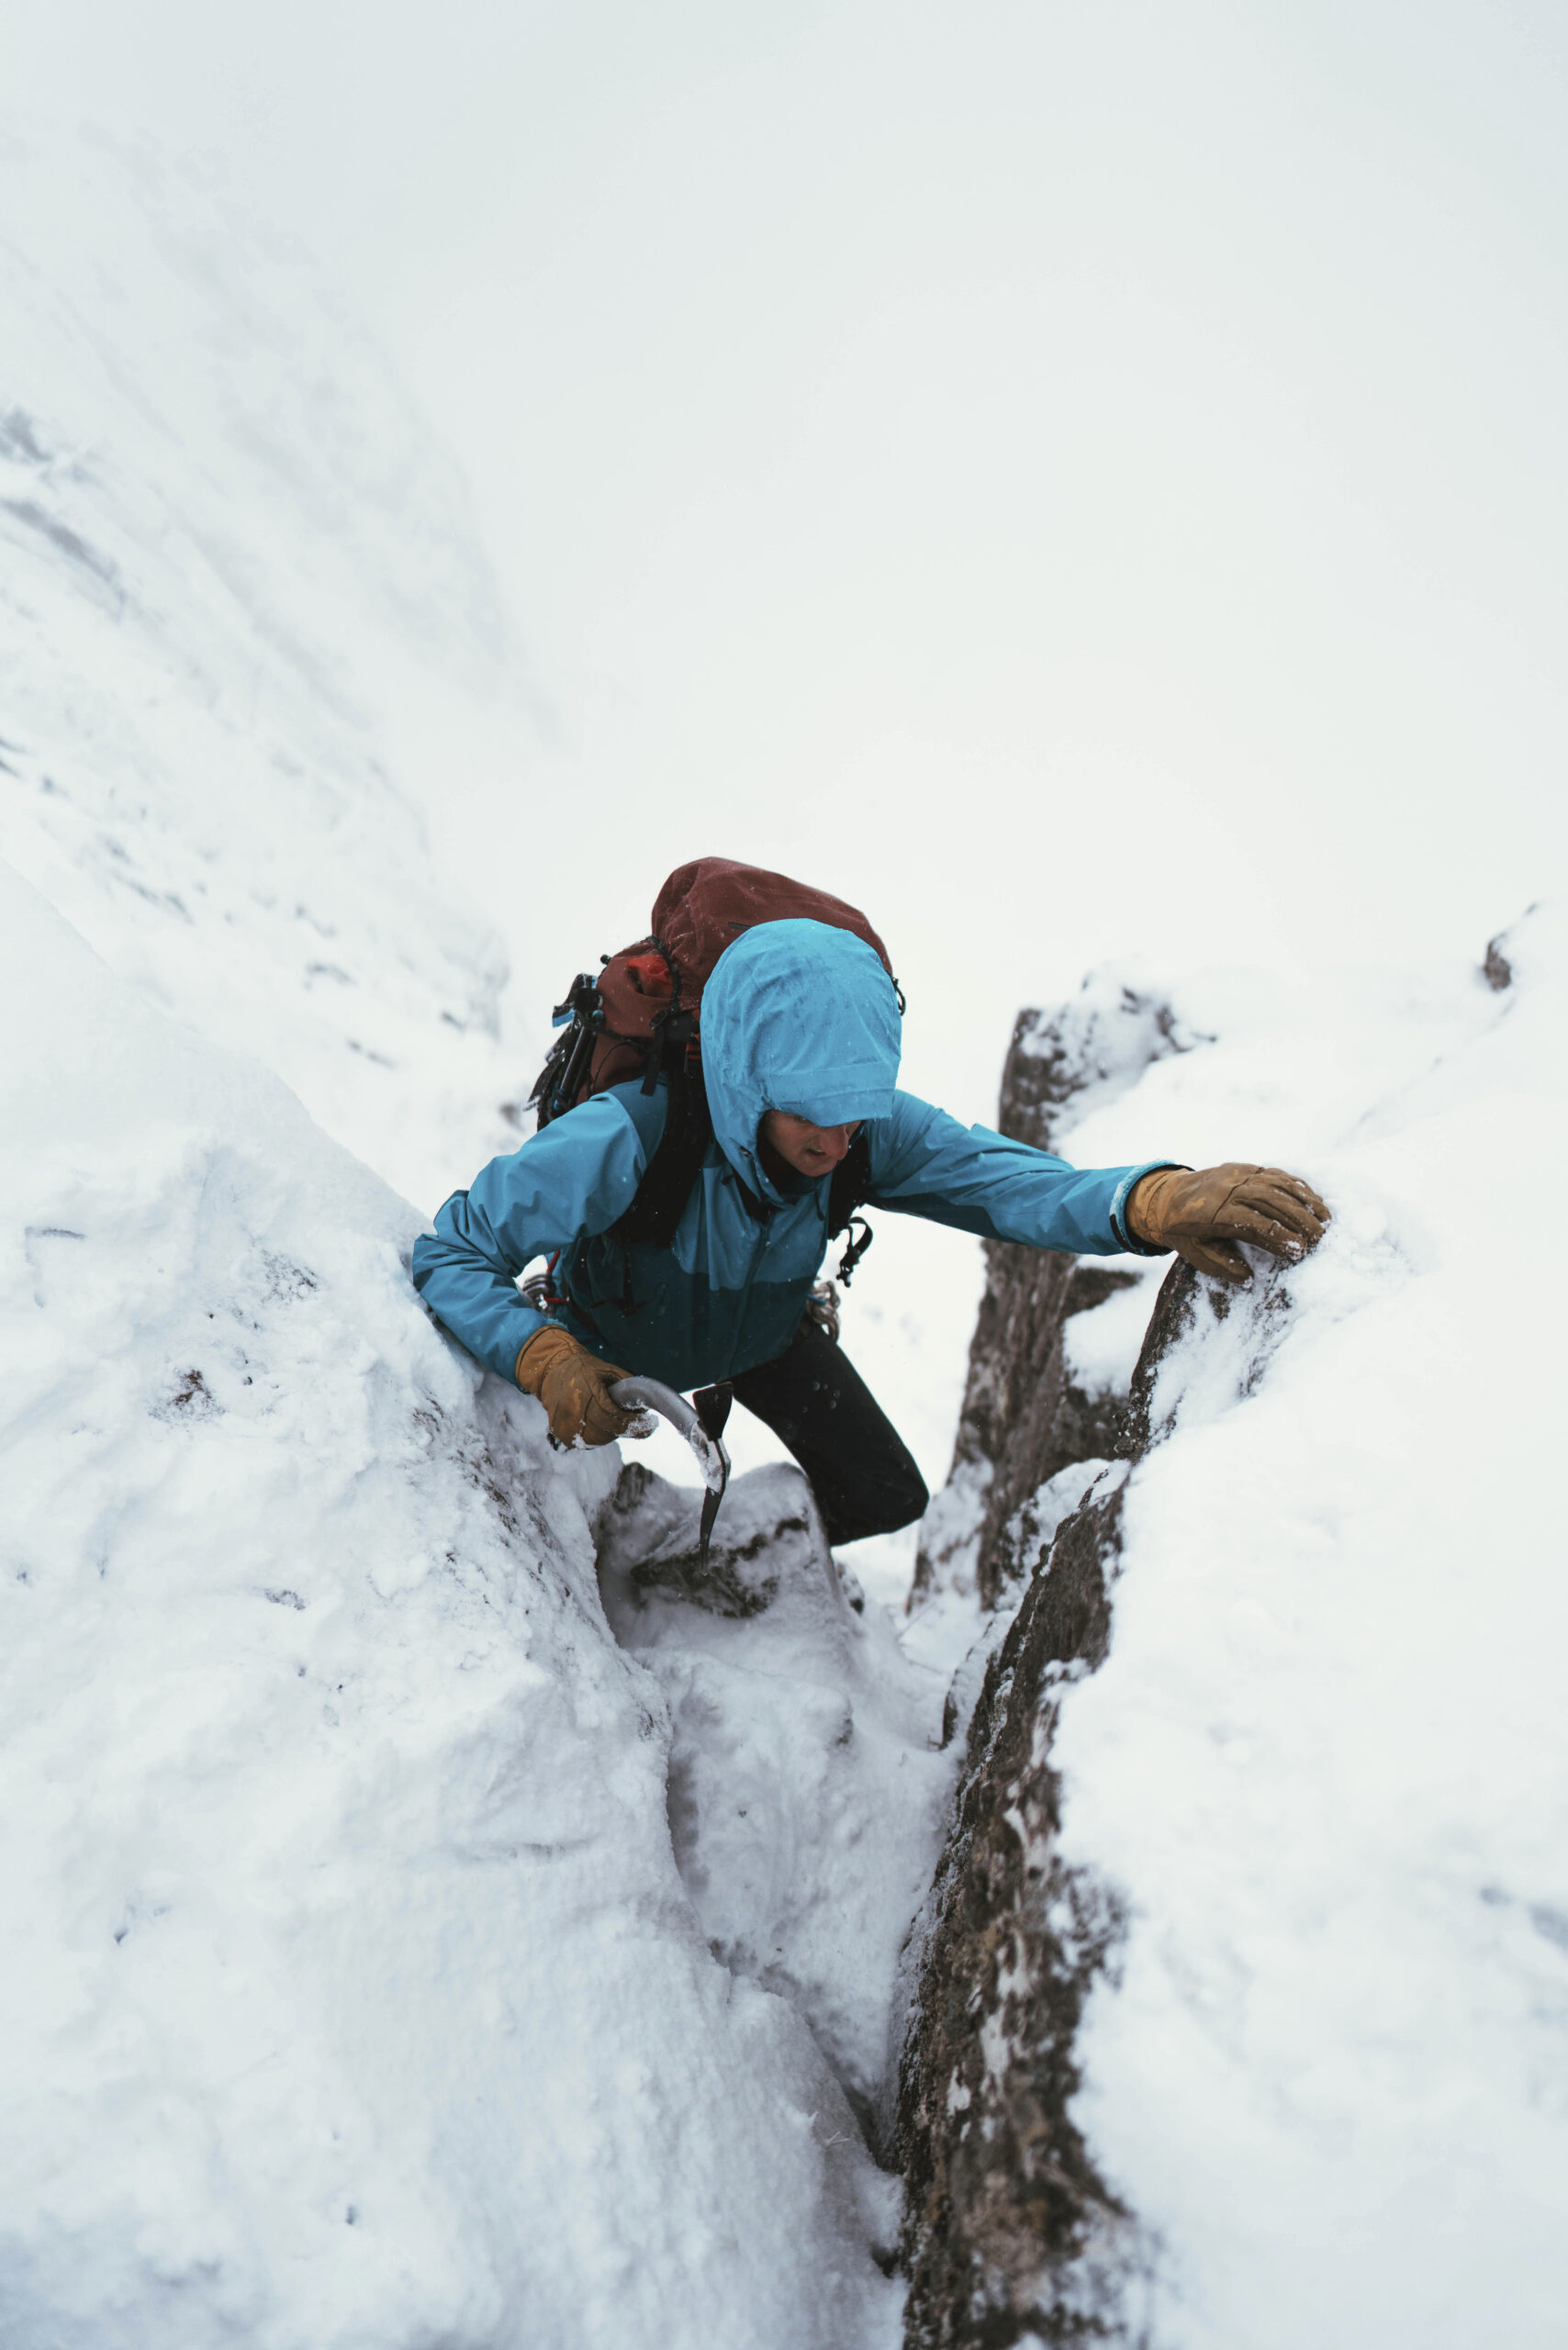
(574, 1387)
(1203, 1213)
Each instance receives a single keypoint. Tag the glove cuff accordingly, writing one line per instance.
(541, 1350)
(1142, 1208)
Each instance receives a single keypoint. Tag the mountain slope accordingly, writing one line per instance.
(355, 1996)
(246, 641)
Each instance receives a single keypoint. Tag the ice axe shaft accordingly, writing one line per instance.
(653, 1395)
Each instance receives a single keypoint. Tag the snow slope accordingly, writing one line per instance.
(405, 1943)
(809, 1787)
(1325, 1762)
(254, 677)
(355, 1997)
(246, 643)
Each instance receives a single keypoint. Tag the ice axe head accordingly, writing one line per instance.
(701, 1428)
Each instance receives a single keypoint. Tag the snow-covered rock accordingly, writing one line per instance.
(1242, 2025)
(355, 1996)
(807, 1786)
(1039, 1395)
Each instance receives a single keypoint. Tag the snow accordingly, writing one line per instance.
(356, 1996)
(1323, 1762)
(258, 692)
(363, 2000)
(1101, 1346)
(416, 1934)
(247, 642)
(807, 1793)
(906, 1325)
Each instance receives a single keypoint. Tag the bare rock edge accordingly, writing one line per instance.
(1009, 2230)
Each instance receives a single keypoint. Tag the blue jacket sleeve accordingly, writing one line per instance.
(574, 1178)
(924, 1163)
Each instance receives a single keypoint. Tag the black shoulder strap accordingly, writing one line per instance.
(851, 1185)
(676, 1164)
(848, 1191)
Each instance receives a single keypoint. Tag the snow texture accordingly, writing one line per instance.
(356, 1997)
(1324, 1764)
(394, 1955)
(1101, 1346)
(356, 2000)
(807, 1796)
(245, 639)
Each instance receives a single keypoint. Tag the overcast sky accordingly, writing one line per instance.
(1082, 479)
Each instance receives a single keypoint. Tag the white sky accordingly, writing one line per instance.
(1079, 478)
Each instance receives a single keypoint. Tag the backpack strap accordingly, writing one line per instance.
(847, 1194)
(676, 1164)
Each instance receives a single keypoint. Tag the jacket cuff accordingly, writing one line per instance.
(1119, 1224)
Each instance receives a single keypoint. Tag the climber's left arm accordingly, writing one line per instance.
(924, 1163)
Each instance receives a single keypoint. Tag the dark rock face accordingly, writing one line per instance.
(1091, 1050)
(1022, 1417)
(1009, 2230)
(1496, 968)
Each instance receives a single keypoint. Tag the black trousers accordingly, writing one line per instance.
(817, 1404)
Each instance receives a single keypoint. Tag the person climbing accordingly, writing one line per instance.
(800, 1044)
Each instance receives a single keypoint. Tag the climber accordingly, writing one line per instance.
(799, 1057)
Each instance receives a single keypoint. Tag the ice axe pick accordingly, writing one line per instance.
(699, 1423)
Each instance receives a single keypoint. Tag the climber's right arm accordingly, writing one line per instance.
(576, 1178)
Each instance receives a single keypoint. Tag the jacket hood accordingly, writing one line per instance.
(801, 1017)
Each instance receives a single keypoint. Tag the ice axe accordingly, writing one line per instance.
(701, 1422)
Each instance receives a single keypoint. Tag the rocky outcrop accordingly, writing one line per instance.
(1010, 2233)
(1009, 2228)
(648, 1532)
(1024, 1418)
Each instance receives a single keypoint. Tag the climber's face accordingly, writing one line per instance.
(810, 1150)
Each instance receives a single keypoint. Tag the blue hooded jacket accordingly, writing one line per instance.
(796, 1016)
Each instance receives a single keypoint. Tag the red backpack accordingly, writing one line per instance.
(643, 1012)
(641, 1016)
